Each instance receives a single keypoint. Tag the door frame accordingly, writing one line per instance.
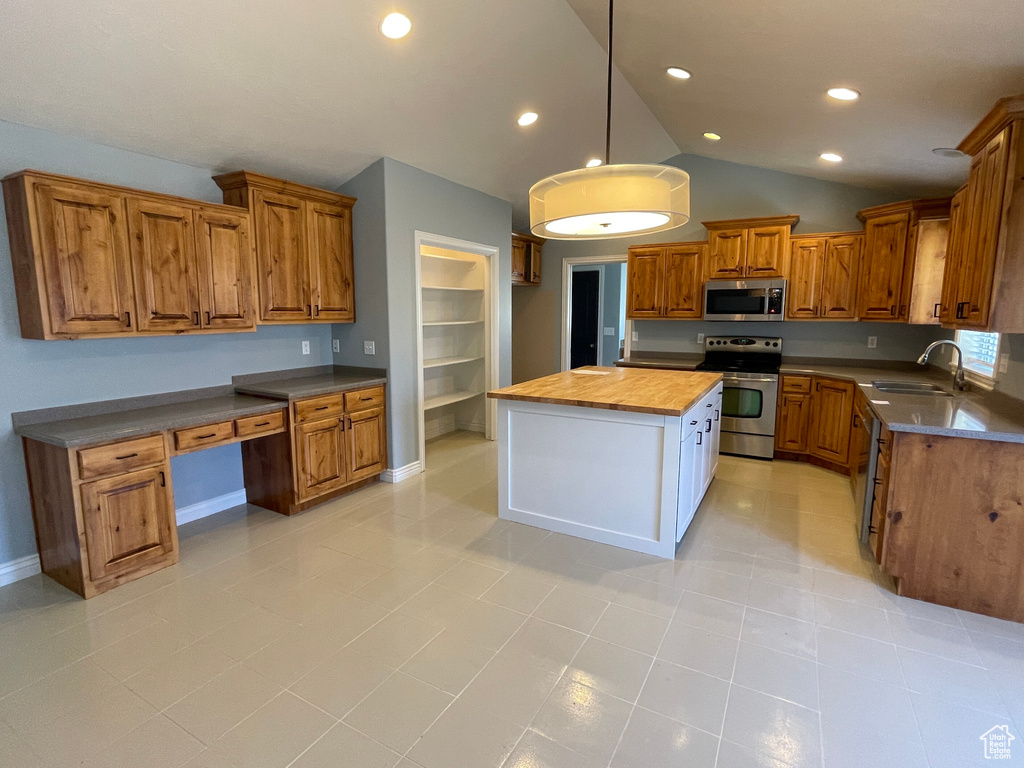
(596, 262)
(491, 335)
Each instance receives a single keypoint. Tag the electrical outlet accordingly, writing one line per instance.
(872, 342)
(635, 336)
(609, 331)
(1004, 362)
(337, 345)
(369, 348)
(305, 347)
(700, 338)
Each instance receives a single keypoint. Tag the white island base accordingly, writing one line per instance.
(632, 480)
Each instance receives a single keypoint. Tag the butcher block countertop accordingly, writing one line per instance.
(666, 393)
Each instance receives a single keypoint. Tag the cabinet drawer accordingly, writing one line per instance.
(203, 437)
(264, 424)
(319, 408)
(364, 398)
(796, 384)
(117, 458)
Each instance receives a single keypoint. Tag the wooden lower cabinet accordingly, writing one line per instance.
(814, 421)
(367, 438)
(792, 422)
(320, 448)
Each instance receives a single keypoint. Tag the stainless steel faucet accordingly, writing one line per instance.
(958, 378)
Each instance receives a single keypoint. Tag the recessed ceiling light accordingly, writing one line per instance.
(712, 136)
(594, 162)
(679, 73)
(395, 26)
(844, 94)
(948, 152)
(832, 157)
(527, 118)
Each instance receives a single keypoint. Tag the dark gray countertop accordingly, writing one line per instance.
(977, 414)
(309, 382)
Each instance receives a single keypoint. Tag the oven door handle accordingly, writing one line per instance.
(740, 381)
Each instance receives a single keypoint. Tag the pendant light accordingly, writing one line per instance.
(610, 200)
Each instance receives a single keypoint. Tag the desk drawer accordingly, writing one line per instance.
(796, 384)
(264, 424)
(316, 408)
(364, 398)
(118, 458)
(203, 437)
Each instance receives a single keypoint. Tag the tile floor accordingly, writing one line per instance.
(407, 626)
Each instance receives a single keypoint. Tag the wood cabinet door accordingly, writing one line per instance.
(518, 261)
(766, 251)
(225, 255)
(885, 250)
(536, 250)
(330, 254)
(958, 223)
(163, 247)
(645, 283)
(87, 269)
(987, 185)
(803, 289)
(840, 277)
(282, 257)
(367, 441)
(322, 464)
(684, 281)
(727, 253)
(831, 420)
(129, 522)
(792, 423)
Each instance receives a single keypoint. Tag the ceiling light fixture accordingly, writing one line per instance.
(395, 26)
(831, 157)
(679, 73)
(712, 136)
(948, 152)
(527, 118)
(608, 201)
(594, 162)
(843, 94)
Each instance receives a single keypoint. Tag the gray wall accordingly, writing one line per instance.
(1012, 382)
(614, 275)
(414, 200)
(719, 190)
(43, 374)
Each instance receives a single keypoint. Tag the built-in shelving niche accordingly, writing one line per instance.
(455, 330)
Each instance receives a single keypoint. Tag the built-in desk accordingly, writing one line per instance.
(100, 473)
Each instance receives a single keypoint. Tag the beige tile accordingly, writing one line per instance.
(247, 634)
(472, 578)
(777, 674)
(436, 605)
(314, 561)
(16, 751)
(710, 613)
(772, 727)
(274, 735)
(448, 662)
(685, 695)
(164, 744)
(399, 711)
(213, 710)
(651, 739)
(632, 629)
(344, 747)
(583, 719)
(395, 639)
(780, 633)
(519, 591)
(546, 645)
(699, 649)
(511, 687)
(143, 649)
(536, 751)
(56, 694)
(465, 735)
(307, 602)
(610, 668)
(391, 588)
(571, 609)
(488, 625)
(292, 656)
(649, 597)
(175, 677)
(353, 540)
(351, 574)
(340, 683)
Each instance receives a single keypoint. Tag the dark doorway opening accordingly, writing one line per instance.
(586, 306)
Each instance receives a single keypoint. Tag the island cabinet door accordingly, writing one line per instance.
(322, 462)
(163, 249)
(367, 453)
(129, 523)
(225, 254)
(716, 434)
(831, 420)
(689, 457)
(282, 257)
(684, 281)
(645, 282)
(330, 248)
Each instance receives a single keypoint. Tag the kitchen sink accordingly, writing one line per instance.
(910, 388)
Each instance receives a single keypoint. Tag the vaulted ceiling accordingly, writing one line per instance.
(312, 91)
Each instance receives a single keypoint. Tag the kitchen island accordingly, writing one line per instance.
(616, 455)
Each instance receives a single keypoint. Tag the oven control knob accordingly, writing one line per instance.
(775, 343)
(767, 343)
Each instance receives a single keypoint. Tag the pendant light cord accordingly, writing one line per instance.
(608, 123)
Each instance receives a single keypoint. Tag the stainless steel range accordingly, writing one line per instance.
(750, 369)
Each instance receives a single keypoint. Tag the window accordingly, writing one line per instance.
(981, 350)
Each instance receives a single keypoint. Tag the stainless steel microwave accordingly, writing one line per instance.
(757, 300)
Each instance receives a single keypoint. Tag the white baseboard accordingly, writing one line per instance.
(16, 570)
(402, 473)
(210, 507)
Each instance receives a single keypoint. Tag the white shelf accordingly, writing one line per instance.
(440, 362)
(465, 262)
(452, 322)
(440, 401)
(451, 288)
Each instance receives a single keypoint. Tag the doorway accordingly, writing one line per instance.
(586, 320)
(593, 310)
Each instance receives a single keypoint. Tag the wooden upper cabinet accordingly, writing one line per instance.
(822, 272)
(831, 420)
(684, 281)
(885, 249)
(954, 255)
(91, 259)
(645, 282)
(840, 277)
(304, 252)
(803, 290)
(224, 253)
(748, 248)
(163, 248)
(330, 247)
(931, 248)
(518, 260)
(526, 259)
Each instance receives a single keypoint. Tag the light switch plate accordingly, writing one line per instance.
(305, 347)
(609, 331)
(872, 342)
(1004, 362)
(337, 345)
(636, 336)
(369, 348)
(700, 338)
